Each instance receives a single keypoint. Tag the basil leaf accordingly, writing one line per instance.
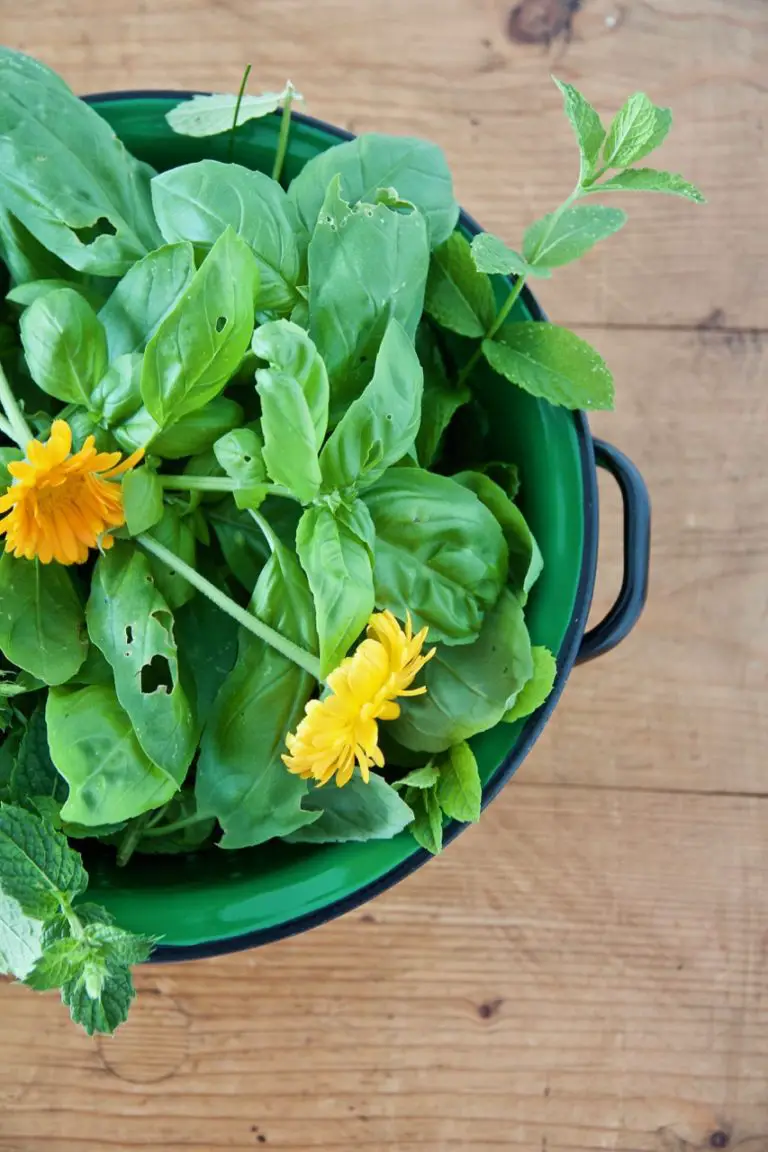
(380, 426)
(210, 115)
(197, 202)
(96, 750)
(42, 627)
(241, 778)
(552, 363)
(202, 340)
(549, 244)
(242, 543)
(66, 176)
(175, 532)
(25, 257)
(637, 129)
(506, 475)
(26, 294)
(469, 688)
(65, 346)
(649, 180)
(34, 774)
(207, 641)
(294, 406)
(459, 297)
(117, 396)
(336, 552)
(356, 812)
(459, 790)
(440, 554)
(194, 432)
(492, 255)
(367, 265)
(427, 825)
(38, 869)
(240, 455)
(144, 297)
(416, 168)
(441, 398)
(534, 693)
(142, 500)
(589, 130)
(131, 623)
(289, 352)
(525, 560)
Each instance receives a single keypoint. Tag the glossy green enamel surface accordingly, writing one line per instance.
(218, 895)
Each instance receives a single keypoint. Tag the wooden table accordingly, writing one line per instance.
(587, 968)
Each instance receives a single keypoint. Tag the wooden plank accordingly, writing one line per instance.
(586, 970)
(681, 704)
(458, 73)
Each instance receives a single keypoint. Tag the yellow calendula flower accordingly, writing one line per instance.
(342, 730)
(60, 505)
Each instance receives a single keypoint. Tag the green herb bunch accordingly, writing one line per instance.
(293, 364)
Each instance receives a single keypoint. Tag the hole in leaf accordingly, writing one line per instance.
(156, 676)
(91, 232)
(247, 459)
(128, 634)
(221, 323)
(164, 619)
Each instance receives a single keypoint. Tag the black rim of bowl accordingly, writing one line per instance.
(569, 649)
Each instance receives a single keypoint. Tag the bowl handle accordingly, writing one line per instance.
(625, 613)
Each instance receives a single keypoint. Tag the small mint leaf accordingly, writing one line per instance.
(427, 825)
(650, 180)
(552, 363)
(587, 125)
(557, 240)
(106, 1011)
(459, 790)
(211, 115)
(492, 256)
(637, 129)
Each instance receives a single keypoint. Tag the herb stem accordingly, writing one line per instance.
(285, 128)
(176, 826)
(74, 921)
(282, 644)
(501, 316)
(20, 429)
(6, 429)
(200, 483)
(266, 528)
(133, 834)
(240, 95)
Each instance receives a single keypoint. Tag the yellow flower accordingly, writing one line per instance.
(61, 505)
(341, 730)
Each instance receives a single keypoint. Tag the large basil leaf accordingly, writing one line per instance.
(42, 627)
(525, 559)
(358, 811)
(145, 296)
(131, 623)
(441, 399)
(25, 258)
(201, 341)
(196, 431)
(95, 748)
(367, 265)
(65, 346)
(336, 552)
(440, 554)
(241, 778)
(66, 176)
(417, 169)
(470, 688)
(117, 396)
(294, 406)
(198, 202)
(207, 640)
(242, 543)
(380, 427)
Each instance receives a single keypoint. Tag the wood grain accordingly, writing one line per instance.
(586, 969)
(583, 971)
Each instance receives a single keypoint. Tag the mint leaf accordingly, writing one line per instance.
(459, 296)
(493, 256)
(649, 180)
(587, 125)
(420, 777)
(557, 240)
(552, 363)
(109, 1008)
(459, 791)
(533, 694)
(427, 825)
(637, 129)
(62, 961)
(37, 867)
(20, 939)
(142, 500)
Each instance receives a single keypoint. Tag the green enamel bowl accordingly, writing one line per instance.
(216, 901)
